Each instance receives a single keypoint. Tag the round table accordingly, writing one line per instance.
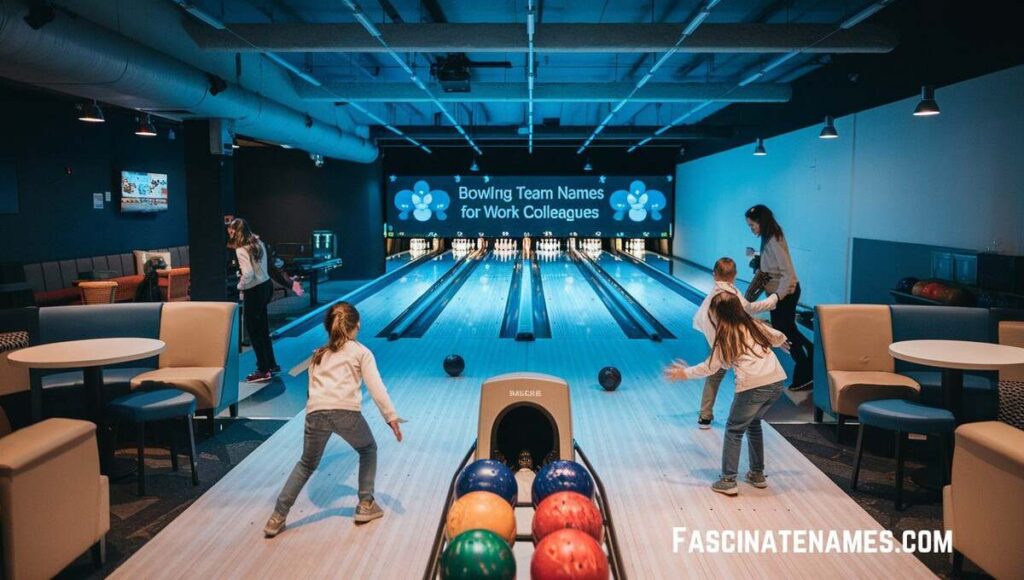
(953, 357)
(91, 356)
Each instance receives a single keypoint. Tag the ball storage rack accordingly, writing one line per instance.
(611, 543)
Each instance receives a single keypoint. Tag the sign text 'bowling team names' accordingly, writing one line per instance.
(523, 193)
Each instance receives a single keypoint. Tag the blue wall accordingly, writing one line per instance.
(56, 219)
(953, 181)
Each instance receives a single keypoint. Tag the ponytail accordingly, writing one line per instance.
(340, 323)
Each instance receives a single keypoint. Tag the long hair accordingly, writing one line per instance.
(736, 333)
(763, 217)
(244, 238)
(340, 322)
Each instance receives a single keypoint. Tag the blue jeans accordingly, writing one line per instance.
(350, 426)
(748, 408)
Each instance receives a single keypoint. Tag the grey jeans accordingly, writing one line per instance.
(707, 398)
(748, 408)
(350, 426)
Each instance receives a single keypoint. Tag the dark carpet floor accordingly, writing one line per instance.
(134, 520)
(875, 489)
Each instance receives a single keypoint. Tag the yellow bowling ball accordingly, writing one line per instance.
(482, 510)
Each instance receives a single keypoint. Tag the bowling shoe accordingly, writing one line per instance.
(726, 487)
(275, 525)
(757, 480)
(704, 423)
(367, 511)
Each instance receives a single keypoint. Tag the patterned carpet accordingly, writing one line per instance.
(135, 520)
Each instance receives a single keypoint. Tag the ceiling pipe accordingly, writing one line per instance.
(860, 16)
(695, 21)
(531, 26)
(77, 57)
(372, 30)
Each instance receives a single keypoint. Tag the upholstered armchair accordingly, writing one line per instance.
(200, 357)
(54, 504)
(855, 341)
(174, 284)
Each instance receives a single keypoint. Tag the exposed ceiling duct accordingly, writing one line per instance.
(77, 57)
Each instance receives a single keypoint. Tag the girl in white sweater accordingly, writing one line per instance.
(743, 344)
(337, 371)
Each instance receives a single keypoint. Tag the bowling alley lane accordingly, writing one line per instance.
(479, 306)
(575, 310)
(668, 307)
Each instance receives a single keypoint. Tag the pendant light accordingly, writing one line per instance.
(759, 149)
(91, 113)
(144, 127)
(829, 130)
(927, 107)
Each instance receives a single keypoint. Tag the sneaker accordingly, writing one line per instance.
(725, 487)
(259, 377)
(704, 423)
(275, 525)
(367, 511)
(757, 480)
(800, 386)
(275, 370)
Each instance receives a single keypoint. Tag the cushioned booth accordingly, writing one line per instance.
(910, 323)
(984, 505)
(54, 504)
(19, 327)
(854, 345)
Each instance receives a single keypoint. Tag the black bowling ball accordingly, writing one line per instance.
(454, 365)
(610, 378)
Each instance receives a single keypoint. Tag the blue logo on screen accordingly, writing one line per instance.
(638, 202)
(422, 202)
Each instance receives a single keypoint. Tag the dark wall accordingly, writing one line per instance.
(877, 265)
(285, 198)
(61, 162)
(518, 161)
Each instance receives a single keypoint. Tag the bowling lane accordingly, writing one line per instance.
(381, 308)
(671, 309)
(477, 309)
(575, 310)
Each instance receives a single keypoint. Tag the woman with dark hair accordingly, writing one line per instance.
(256, 288)
(777, 264)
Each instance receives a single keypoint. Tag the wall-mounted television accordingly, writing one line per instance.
(143, 192)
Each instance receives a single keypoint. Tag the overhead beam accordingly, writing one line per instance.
(543, 133)
(549, 93)
(557, 38)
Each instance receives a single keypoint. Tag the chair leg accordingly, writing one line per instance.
(173, 448)
(818, 415)
(233, 410)
(210, 417)
(190, 431)
(98, 553)
(958, 564)
(899, 470)
(141, 434)
(840, 421)
(947, 472)
(859, 454)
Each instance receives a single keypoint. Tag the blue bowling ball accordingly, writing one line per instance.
(488, 475)
(562, 476)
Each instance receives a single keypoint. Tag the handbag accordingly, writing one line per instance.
(756, 286)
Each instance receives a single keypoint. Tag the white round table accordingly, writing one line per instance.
(953, 357)
(89, 355)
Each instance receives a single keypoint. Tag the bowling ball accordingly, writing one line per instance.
(488, 475)
(478, 554)
(567, 510)
(906, 284)
(931, 290)
(569, 554)
(918, 288)
(561, 476)
(610, 378)
(454, 365)
(482, 510)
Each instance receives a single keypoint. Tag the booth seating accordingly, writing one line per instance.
(200, 358)
(854, 344)
(984, 504)
(903, 417)
(19, 327)
(863, 336)
(54, 504)
(1011, 380)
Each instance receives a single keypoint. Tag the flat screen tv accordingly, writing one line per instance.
(143, 192)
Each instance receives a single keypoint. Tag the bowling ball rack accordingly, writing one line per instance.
(611, 542)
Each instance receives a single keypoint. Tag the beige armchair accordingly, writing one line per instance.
(54, 504)
(984, 506)
(200, 357)
(855, 340)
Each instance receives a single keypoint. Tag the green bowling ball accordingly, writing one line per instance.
(478, 554)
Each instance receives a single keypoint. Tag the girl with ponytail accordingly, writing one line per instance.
(336, 374)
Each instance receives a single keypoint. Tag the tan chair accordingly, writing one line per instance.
(984, 506)
(175, 284)
(54, 504)
(855, 342)
(101, 292)
(200, 357)
(1011, 332)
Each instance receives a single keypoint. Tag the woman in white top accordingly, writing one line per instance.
(777, 263)
(256, 289)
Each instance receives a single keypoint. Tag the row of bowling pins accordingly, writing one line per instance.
(418, 245)
(590, 245)
(505, 245)
(549, 245)
(463, 245)
(635, 245)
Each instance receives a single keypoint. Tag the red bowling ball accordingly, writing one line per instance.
(569, 555)
(567, 510)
